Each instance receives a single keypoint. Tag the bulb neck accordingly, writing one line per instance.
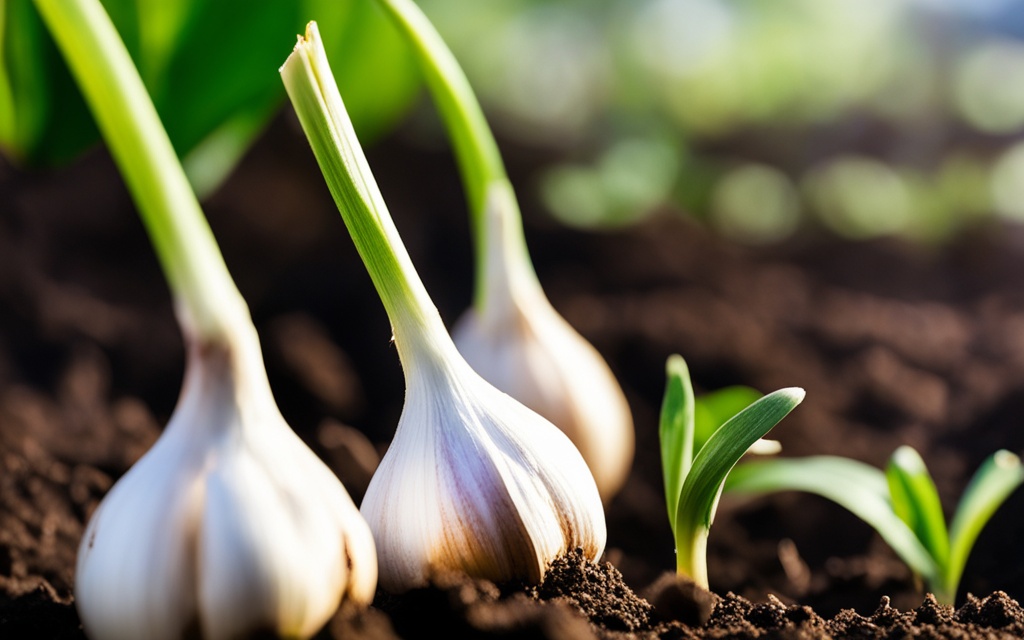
(225, 390)
(424, 346)
(506, 280)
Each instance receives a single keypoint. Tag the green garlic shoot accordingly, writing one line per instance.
(694, 472)
(712, 410)
(512, 335)
(473, 480)
(900, 503)
(229, 526)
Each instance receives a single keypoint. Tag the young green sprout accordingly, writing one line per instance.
(694, 479)
(900, 503)
(473, 480)
(229, 526)
(512, 335)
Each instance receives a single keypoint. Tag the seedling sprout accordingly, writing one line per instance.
(693, 481)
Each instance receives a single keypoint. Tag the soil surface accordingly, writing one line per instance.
(894, 343)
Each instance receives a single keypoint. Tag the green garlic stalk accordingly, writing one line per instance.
(512, 335)
(473, 480)
(229, 526)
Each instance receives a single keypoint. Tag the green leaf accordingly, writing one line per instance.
(23, 99)
(209, 305)
(712, 410)
(675, 432)
(993, 482)
(855, 486)
(711, 466)
(209, 69)
(374, 65)
(916, 501)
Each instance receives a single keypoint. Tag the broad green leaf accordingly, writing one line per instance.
(24, 98)
(703, 484)
(916, 501)
(209, 304)
(714, 409)
(855, 486)
(212, 160)
(675, 432)
(993, 482)
(375, 68)
(210, 70)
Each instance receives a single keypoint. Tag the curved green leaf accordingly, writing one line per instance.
(675, 432)
(703, 484)
(916, 501)
(993, 482)
(209, 71)
(712, 410)
(858, 487)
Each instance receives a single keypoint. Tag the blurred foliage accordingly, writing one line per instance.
(759, 117)
(863, 117)
(211, 68)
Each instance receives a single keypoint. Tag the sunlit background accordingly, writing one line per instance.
(864, 117)
(759, 117)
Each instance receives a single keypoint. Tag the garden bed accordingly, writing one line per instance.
(894, 343)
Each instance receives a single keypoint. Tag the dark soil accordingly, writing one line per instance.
(894, 343)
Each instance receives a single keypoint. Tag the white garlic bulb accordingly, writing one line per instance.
(473, 480)
(228, 526)
(521, 345)
(476, 482)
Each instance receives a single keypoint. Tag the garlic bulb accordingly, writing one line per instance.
(520, 344)
(475, 482)
(229, 526)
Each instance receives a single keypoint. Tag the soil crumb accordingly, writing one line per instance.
(596, 590)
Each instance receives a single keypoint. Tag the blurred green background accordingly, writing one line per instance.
(759, 117)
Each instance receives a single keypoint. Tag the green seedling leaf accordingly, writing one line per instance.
(858, 487)
(993, 482)
(714, 409)
(916, 501)
(676, 432)
(703, 484)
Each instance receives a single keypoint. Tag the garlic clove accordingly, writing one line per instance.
(228, 526)
(123, 572)
(476, 482)
(520, 344)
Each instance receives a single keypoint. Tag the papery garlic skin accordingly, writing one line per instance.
(228, 526)
(475, 482)
(521, 345)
